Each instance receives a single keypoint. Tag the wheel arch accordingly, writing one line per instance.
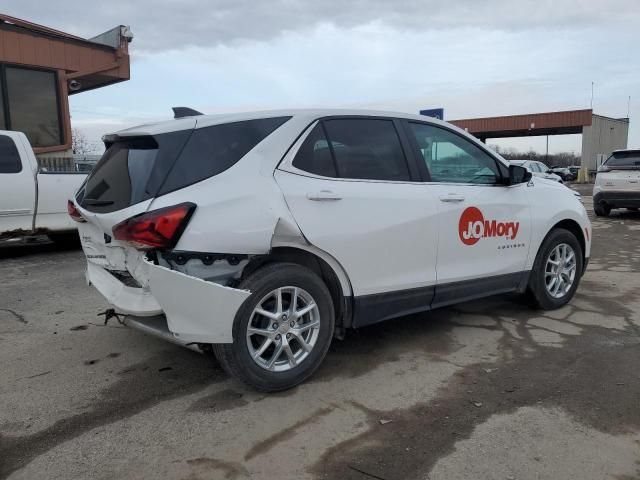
(326, 268)
(575, 228)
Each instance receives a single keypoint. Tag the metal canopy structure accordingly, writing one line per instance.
(550, 123)
(600, 135)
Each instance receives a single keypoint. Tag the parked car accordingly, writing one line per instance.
(33, 201)
(538, 169)
(574, 169)
(565, 173)
(261, 236)
(617, 183)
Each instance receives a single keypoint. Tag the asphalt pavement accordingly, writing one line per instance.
(485, 390)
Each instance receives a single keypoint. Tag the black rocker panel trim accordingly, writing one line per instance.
(370, 309)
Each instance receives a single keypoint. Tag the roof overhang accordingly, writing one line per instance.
(549, 123)
(86, 63)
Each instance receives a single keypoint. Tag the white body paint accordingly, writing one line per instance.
(32, 200)
(380, 237)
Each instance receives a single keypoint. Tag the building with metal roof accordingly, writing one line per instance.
(40, 67)
(600, 135)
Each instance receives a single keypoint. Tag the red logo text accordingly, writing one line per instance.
(473, 227)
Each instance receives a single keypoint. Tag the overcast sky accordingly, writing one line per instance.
(474, 58)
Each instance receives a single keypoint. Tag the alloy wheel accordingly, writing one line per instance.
(560, 270)
(283, 329)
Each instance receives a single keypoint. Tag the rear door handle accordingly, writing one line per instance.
(452, 197)
(323, 196)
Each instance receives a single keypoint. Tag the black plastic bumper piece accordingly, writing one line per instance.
(618, 199)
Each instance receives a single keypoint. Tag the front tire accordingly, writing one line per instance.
(282, 332)
(556, 271)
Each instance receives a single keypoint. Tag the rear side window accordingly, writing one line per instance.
(212, 150)
(9, 156)
(315, 156)
(136, 169)
(365, 149)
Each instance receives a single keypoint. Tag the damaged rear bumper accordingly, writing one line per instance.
(196, 311)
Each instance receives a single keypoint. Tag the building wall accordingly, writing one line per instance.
(602, 137)
(78, 64)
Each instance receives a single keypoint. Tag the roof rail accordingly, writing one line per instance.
(180, 112)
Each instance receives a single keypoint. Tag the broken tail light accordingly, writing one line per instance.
(160, 228)
(74, 213)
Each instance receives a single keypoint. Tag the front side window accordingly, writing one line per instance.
(33, 105)
(9, 156)
(450, 158)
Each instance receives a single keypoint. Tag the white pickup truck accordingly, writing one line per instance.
(33, 201)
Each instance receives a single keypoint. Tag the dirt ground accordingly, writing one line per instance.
(485, 390)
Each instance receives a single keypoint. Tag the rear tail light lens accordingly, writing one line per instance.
(74, 213)
(160, 228)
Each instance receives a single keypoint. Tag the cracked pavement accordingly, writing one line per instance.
(489, 389)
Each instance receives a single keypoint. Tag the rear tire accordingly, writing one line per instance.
(541, 282)
(280, 328)
(602, 210)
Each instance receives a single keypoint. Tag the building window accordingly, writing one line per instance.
(30, 104)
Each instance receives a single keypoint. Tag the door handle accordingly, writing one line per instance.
(452, 197)
(323, 196)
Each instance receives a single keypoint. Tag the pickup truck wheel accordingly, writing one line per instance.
(556, 271)
(282, 331)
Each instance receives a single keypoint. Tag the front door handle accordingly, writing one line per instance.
(452, 197)
(323, 196)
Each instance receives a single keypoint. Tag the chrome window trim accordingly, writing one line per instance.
(286, 165)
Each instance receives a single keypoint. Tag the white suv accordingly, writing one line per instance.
(617, 183)
(538, 169)
(261, 236)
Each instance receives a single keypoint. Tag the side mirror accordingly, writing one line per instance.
(518, 174)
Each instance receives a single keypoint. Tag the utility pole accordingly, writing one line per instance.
(629, 107)
(546, 156)
(592, 83)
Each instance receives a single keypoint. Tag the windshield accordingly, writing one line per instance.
(624, 160)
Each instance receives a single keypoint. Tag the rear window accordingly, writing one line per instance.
(9, 156)
(121, 175)
(212, 150)
(624, 160)
(135, 169)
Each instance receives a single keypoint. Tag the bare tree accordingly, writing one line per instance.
(79, 143)
(561, 159)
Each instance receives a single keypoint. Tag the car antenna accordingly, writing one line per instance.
(180, 112)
